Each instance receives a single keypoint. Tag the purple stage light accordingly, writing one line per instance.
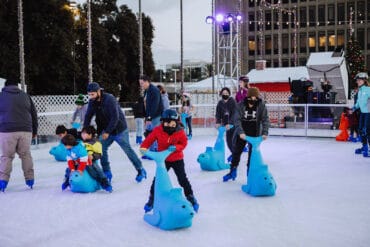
(210, 19)
(219, 17)
(229, 17)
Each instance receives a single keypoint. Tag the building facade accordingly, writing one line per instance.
(285, 32)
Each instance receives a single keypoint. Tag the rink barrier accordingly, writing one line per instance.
(285, 119)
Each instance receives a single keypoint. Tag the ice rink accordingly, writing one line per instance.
(322, 199)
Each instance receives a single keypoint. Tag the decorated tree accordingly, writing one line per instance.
(355, 60)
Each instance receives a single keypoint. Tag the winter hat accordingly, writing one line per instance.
(93, 87)
(80, 100)
(253, 91)
(225, 88)
(10, 82)
(244, 78)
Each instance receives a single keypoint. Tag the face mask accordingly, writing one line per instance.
(169, 130)
(251, 102)
(225, 97)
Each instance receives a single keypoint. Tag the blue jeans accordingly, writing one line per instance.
(139, 122)
(155, 122)
(364, 128)
(122, 139)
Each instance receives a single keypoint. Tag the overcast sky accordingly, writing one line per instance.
(165, 15)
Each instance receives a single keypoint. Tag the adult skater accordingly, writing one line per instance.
(18, 125)
(111, 126)
(225, 114)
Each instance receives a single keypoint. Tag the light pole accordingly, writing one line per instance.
(76, 16)
(175, 72)
(141, 40)
(181, 49)
(89, 42)
(21, 45)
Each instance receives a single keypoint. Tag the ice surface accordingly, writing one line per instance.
(322, 199)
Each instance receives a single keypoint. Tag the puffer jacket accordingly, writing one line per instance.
(363, 97)
(178, 139)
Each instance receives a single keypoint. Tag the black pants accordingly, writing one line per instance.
(179, 169)
(188, 123)
(364, 128)
(238, 147)
(229, 138)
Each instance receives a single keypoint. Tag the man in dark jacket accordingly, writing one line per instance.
(153, 105)
(18, 125)
(152, 100)
(111, 126)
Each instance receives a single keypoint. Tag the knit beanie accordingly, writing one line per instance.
(225, 88)
(80, 100)
(253, 91)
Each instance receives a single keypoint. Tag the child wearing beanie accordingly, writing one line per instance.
(251, 120)
(80, 112)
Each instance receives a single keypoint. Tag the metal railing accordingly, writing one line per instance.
(314, 120)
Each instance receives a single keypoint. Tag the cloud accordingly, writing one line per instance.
(165, 15)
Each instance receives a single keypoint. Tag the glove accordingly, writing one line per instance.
(172, 148)
(149, 126)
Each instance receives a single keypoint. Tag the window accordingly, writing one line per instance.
(361, 37)
(268, 20)
(251, 64)
(285, 63)
(276, 19)
(322, 41)
(331, 41)
(285, 43)
(285, 20)
(302, 61)
(340, 38)
(268, 44)
(312, 15)
(252, 46)
(303, 42)
(349, 6)
(341, 15)
(321, 15)
(303, 17)
(361, 11)
(276, 44)
(312, 42)
(331, 14)
(251, 3)
(368, 41)
(251, 22)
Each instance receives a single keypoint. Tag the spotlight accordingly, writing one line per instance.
(229, 17)
(219, 17)
(210, 19)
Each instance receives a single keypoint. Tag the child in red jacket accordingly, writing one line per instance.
(169, 133)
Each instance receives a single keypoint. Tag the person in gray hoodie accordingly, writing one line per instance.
(18, 125)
